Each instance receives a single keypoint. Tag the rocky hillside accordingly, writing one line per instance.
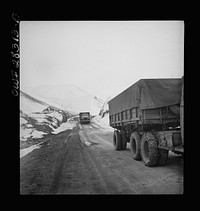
(38, 119)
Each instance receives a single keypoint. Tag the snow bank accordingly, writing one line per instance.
(56, 115)
(22, 121)
(65, 126)
(52, 119)
(42, 117)
(38, 134)
(27, 150)
(102, 122)
(26, 133)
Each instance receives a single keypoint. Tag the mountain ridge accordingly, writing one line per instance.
(68, 97)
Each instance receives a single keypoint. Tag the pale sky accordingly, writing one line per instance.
(101, 57)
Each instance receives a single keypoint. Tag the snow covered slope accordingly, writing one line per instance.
(103, 118)
(104, 109)
(29, 104)
(38, 118)
(68, 97)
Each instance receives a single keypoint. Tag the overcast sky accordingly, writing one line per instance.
(101, 57)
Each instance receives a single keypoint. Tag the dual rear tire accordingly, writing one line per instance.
(150, 153)
(135, 145)
(142, 148)
(149, 150)
(119, 140)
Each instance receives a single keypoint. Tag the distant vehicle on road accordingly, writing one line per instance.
(84, 117)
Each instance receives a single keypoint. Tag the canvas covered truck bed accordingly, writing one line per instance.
(149, 101)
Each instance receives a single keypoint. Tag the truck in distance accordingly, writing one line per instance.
(84, 117)
(150, 116)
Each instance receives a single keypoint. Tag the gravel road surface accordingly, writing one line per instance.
(83, 161)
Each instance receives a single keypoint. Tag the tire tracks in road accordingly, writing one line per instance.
(63, 154)
(112, 168)
(108, 179)
(110, 165)
(97, 127)
(93, 136)
(111, 182)
(79, 172)
(96, 180)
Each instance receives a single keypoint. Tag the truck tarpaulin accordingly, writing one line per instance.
(148, 94)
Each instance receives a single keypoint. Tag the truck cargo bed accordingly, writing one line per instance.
(148, 101)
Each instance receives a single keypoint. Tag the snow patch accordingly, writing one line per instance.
(64, 126)
(27, 150)
(37, 134)
(29, 125)
(84, 139)
(29, 132)
(22, 121)
(25, 133)
(102, 122)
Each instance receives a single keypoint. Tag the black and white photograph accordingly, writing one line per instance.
(101, 106)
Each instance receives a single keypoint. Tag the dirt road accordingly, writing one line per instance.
(83, 161)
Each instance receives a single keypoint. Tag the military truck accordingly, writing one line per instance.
(84, 117)
(149, 115)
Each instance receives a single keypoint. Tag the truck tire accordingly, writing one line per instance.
(117, 140)
(123, 141)
(149, 150)
(162, 156)
(135, 146)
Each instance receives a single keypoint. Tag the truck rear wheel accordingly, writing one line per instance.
(123, 141)
(117, 140)
(135, 146)
(149, 150)
(162, 156)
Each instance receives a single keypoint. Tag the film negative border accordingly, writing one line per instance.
(15, 54)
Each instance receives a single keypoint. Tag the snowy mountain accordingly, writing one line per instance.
(68, 97)
(30, 104)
